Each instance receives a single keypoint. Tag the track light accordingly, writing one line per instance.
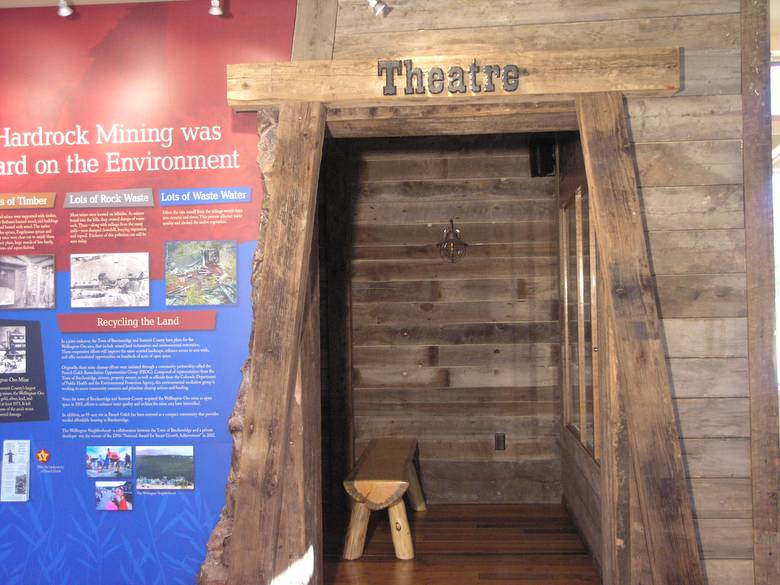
(379, 7)
(63, 9)
(216, 8)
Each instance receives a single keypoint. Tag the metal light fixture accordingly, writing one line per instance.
(216, 8)
(379, 7)
(452, 248)
(63, 9)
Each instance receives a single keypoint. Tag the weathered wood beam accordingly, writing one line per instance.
(534, 115)
(632, 315)
(315, 29)
(643, 71)
(759, 244)
(275, 353)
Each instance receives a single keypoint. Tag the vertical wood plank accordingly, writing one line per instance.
(581, 348)
(633, 317)
(615, 463)
(315, 29)
(276, 345)
(311, 415)
(759, 234)
(595, 340)
(564, 319)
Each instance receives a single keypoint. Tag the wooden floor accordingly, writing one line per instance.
(471, 545)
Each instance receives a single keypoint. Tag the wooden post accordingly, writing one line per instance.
(760, 255)
(632, 316)
(276, 346)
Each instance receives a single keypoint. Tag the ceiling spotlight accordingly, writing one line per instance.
(379, 7)
(216, 8)
(63, 9)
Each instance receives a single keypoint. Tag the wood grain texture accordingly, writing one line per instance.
(632, 313)
(473, 545)
(450, 354)
(650, 71)
(315, 29)
(522, 115)
(283, 280)
(716, 31)
(412, 15)
(762, 364)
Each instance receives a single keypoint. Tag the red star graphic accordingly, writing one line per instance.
(42, 456)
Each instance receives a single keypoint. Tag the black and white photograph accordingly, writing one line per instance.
(27, 282)
(13, 349)
(109, 280)
(200, 273)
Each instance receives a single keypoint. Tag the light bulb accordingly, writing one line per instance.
(379, 7)
(63, 9)
(216, 8)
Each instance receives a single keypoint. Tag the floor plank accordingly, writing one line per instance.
(471, 545)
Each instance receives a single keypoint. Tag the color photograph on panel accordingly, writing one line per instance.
(200, 273)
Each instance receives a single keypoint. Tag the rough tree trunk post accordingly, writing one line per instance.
(251, 543)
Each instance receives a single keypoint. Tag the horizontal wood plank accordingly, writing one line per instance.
(522, 374)
(640, 71)
(468, 268)
(490, 355)
(413, 15)
(716, 337)
(709, 377)
(698, 251)
(714, 31)
(450, 191)
(702, 295)
(475, 312)
(482, 333)
(713, 417)
(721, 498)
(695, 207)
(674, 164)
(725, 538)
(524, 287)
(717, 458)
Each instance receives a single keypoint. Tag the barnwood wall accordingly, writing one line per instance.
(447, 353)
(688, 150)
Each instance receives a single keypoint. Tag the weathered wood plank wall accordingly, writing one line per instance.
(451, 354)
(689, 156)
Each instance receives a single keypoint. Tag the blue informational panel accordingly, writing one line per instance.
(130, 202)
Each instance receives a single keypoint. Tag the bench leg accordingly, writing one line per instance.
(356, 535)
(416, 497)
(399, 528)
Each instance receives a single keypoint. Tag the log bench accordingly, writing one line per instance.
(384, 473)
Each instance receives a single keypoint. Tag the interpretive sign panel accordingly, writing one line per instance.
(130, 204)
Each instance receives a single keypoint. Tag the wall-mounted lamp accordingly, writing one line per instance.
(379, 7)
(452, 248)
(63, 9)
(216, 8)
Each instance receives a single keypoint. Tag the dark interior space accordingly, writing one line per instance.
(463, 356)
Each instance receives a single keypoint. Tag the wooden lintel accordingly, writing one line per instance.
(532, 115)
(632, 316)
(283, 288)
(641, 71)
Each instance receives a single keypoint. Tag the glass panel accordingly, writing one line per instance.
(571, 303)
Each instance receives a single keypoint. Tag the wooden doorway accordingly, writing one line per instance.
(638, 397)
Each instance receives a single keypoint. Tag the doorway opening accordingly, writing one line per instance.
(487, 362)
